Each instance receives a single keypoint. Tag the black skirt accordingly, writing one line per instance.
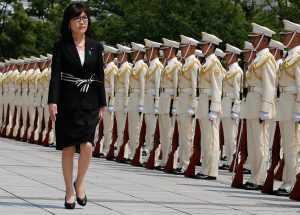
(74, 127)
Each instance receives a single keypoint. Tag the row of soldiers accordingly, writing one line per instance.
(192, 89)
(24, 111)
(162, 104)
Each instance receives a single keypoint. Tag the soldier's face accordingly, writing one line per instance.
(184, 50)
(204, 47)
(227, 58)
(255, 40)
(167, 52)
(286, 38)
(79, 24)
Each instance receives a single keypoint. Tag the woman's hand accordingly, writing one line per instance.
(101, 113)
(53, 112)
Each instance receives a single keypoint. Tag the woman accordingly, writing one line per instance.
(76, 96)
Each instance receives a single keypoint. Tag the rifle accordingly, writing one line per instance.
(295, 193)
(14, 118)
(120, 156)
(96, 152)
(170, 163)
(18, 136)
(46, 140)
(6, 121)
(238, 178)
(27, 123)
(151, 160)
(137, 156)
(191, 169)
(235, 159)
(110, 155)
(35, 125)
(221, 137)
(269, 183)
(279, 172)
(40, 139)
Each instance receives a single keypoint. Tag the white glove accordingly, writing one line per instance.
(296, 117)
(125, 109)
(212, 115)
(110, 109)
(141, 109)
(191, 111)
(155, 110)
(174, 111)
(234, 115)
(263, 115)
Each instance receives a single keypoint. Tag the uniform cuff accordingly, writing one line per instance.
(266, 106)
(215, 106)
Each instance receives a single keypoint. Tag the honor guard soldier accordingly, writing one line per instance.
(168, 97)
(209, 107)
(260, 105)
(122, 94)
(288, 108)
(152, 83)
(276, 48)
(231, 102)
(199, 55)
(2, 67)
(136, 97)
(5, 94)
(187, 101)
(110, 73)
(220, 54)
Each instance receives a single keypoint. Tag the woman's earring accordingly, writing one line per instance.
(69, 28)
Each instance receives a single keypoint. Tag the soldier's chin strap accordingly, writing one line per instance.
(107, 58)
(136, 56)
(119, 62)
(258, 44)
(168, 55)
(249, 58)
(188, 49)
(151, 55)
(294, 34)
(229, 62)
(207, 49)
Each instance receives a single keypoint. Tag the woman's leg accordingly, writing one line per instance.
(86, 150)
(67, 167)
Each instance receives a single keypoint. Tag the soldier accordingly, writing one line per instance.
(220, 54)
(276, 49)
(209, 107)
(38, 97)
(288, 112)
(260, 105)
(32, 107)
(45, 79)
(136, 98)
(2, 75)
(167, 99)
(110, 73)
(122, 94)
(152, 83)
(186, 101)
(18, 97)
(231, 102)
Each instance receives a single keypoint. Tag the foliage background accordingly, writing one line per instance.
(33, 31)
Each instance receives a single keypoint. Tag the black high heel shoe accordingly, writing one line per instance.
(69, 205)
(80, 201)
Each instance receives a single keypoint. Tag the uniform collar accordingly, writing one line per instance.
(295, 49)
(123, 64)
(189, 58)
(209, 58)
(154, 61)
(172, 60)
(232, 66)
(262, 52)
(110, 64)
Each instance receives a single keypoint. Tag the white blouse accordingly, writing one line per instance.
(81, 56)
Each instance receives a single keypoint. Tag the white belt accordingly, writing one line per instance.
(255, 89)
(229, 94)
(167, 90)
(290, 89)
(25, 90)
(134, 90)
(185, 90)
(84, 84)
(205, 91)
(150, 91)
(121, 90)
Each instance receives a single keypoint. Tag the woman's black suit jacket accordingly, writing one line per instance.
(66, 59)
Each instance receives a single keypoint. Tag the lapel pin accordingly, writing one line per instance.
(90, 51)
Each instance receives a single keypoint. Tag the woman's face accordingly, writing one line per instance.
(79, 24)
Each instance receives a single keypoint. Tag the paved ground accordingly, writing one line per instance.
(31, 183)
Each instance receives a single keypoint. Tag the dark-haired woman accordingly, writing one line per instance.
(76, 97)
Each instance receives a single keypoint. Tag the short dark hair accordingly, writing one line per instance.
(71, 11)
